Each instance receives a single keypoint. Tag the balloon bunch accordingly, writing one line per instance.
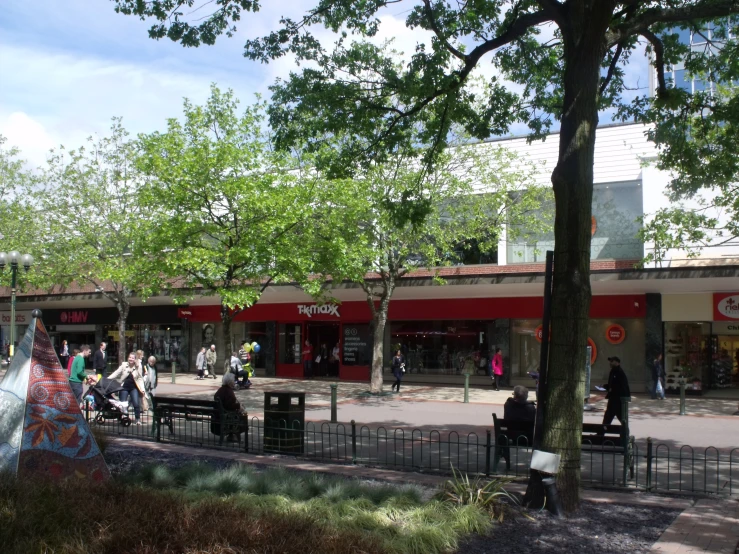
(253, 347)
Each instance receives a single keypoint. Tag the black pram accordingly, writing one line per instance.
(107, 407)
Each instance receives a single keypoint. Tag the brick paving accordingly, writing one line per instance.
(710, 526)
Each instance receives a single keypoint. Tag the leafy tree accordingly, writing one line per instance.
(97, 232)
(367, 232)
(565, 59)
(17, 219)
(228, 216)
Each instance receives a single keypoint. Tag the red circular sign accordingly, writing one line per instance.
(63, 317)
(593, 350)
(539, 333)
(615, 334)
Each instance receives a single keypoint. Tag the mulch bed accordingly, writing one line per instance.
(595, 529)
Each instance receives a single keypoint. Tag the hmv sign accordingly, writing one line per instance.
(74, 316)
(21, 318)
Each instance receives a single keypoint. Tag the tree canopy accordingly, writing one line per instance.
(367, 232)
(228, 214)
(542, 61)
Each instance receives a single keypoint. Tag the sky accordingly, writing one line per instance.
(68, 66)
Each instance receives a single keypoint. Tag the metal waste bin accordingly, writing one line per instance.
(284, 422)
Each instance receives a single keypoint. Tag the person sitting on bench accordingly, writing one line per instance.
(228, 400)
(519, 407)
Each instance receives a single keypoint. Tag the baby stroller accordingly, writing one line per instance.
(107, 407)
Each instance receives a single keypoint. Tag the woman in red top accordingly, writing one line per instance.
(497, 368)
(308, 360)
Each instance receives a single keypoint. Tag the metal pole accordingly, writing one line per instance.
(466, 388)
(625, 433)
(682, 398)
(174, 372)
(334, 389)
(13, 277)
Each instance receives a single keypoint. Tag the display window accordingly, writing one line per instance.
(290, 343)
(440, 347)
(687, 356)
(161, 341)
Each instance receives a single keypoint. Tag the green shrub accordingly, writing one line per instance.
(489, 496)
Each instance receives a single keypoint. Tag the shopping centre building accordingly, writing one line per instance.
(686, 309)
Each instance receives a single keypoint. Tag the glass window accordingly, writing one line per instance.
(440, 347)
(525, 348)
(682, 81)
(687, 355)
(289, 343)
(357, 345)
(615, 225)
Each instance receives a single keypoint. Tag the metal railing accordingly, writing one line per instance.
(658, 467)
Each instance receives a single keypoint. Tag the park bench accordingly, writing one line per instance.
(611, 439)
(169, 409)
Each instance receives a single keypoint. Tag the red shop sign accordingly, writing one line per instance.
(615, 334)
(726, 306)
(593, 350)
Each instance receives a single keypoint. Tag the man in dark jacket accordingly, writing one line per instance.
(519, 408)
(618, 388)
(100, 361)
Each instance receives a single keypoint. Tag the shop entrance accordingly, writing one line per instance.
(324, 337)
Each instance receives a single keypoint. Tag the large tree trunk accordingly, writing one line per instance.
(573, 192)
(225, 345)
(123, 308)
(379, 320)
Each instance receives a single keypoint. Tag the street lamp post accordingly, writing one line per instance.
(14, 258)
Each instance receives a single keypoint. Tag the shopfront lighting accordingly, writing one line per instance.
(14, 259)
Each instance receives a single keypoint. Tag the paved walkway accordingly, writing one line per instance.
(708, 422)
(710, 526)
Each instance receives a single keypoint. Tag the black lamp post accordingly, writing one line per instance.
(14, 258)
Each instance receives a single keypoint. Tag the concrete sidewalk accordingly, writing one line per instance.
(707, 526)
(708, 422)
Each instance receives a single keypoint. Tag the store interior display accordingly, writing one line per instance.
(725, 363)
(686, 356)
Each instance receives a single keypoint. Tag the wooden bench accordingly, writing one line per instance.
(595, 438)
(223, 423)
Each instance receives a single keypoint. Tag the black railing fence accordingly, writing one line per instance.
(649, 465)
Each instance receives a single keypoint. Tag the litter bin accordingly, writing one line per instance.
(284, 422)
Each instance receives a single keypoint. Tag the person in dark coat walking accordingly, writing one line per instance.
(398, 368)
(100, 361)
(618, 388)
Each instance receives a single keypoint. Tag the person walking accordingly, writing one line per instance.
(658, 376)
(64, 354)
(308, 360)
(398, 367)
(618, 388)
(78, 375)
(201, 364)
(210, 359)
(100, 361)
(150, 376)
(497, 365)
(71, 360)
(131, 375)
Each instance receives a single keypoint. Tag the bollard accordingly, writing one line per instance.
(334, 388)
(466, 388)
(682, 398)
(650, 457)
(174, 372)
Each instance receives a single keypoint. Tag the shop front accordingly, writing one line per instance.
(441, 339)
(22, 320)
(156, 330)
(701, 341)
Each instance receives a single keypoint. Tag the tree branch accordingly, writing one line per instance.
(611, 68)
(659, 60)
(435, 28)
